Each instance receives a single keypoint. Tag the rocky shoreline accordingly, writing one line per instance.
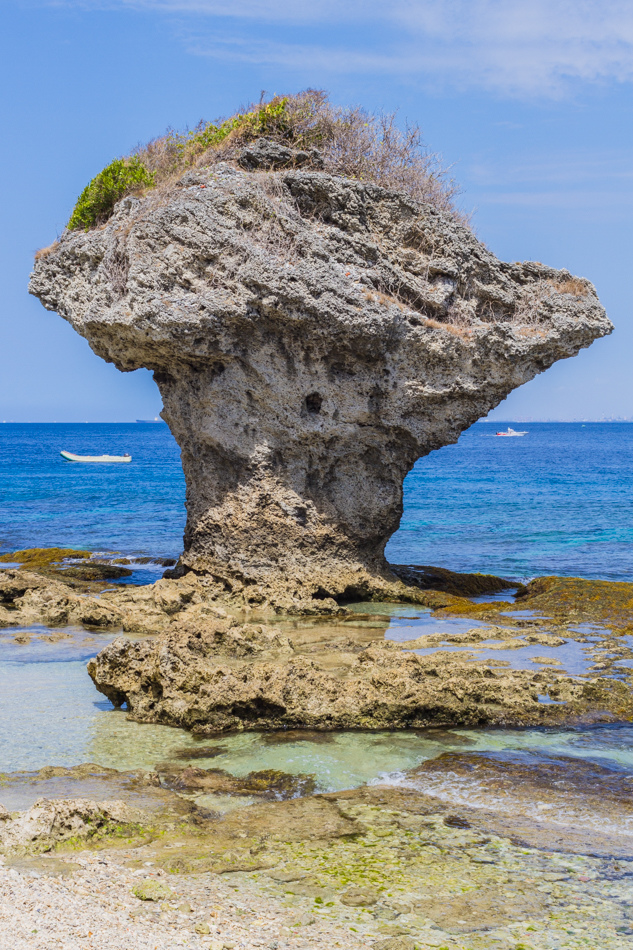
(389, 868)
(197, 857)
(211, 663)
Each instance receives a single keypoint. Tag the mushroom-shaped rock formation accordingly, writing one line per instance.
(311, 336)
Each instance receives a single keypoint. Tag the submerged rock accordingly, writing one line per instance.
(311, 336)
(265, 783)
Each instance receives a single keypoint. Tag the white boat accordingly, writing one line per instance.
(510, 433)
(95, 458)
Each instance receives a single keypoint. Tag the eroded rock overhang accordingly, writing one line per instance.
(311, 337)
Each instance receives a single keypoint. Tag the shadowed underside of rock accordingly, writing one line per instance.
(311, 337)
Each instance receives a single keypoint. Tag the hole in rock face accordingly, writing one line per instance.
(314, 401)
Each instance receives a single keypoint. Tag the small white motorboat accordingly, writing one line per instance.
(510, 433)
(95, 458)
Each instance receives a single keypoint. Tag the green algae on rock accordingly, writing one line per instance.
(152, 890)
(579, 600)
(33, 559)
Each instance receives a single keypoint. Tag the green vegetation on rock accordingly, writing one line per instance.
(96, 202)
(270, 119)
(351, 142)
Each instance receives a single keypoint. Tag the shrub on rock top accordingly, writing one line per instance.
(96, 202)
(351, 142)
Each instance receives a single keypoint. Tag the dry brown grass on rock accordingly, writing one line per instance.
(536, 299)
(353, 143)
(45, 251)
(574, 286)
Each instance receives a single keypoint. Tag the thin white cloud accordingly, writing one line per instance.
(265, 11)
(524, 47)
(568, 169)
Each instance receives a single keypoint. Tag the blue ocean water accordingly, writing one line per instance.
(558, 501)
(136, 508)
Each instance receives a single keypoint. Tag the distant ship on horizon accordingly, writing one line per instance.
(155, 419)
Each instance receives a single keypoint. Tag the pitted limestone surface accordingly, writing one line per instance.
(311, 336)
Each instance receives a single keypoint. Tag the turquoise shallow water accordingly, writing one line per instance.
(52, 715)
(559, 500)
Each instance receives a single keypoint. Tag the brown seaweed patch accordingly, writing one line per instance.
(96, 572)
(451, 582)
(197, 752)
(297, 735)
(270, 784)
(33, 558)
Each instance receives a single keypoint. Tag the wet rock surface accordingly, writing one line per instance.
(47, 823)
(140, 791)
(554, 800)
(312, 337)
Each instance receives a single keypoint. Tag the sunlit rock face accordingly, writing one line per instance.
(311, 337)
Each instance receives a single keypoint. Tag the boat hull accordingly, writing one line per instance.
(69, 457)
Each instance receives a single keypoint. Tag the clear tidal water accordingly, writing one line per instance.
(51, 714)
(559, 500)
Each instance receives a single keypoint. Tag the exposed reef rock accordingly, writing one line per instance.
(311, 336)
(28, 598)
(226, 677)
(209, 671)
(47, 823)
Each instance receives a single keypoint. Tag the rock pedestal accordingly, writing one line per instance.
(311, 337)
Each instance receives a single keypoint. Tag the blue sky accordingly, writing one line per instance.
(530, 101)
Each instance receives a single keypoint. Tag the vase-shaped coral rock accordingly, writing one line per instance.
(311, 336)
